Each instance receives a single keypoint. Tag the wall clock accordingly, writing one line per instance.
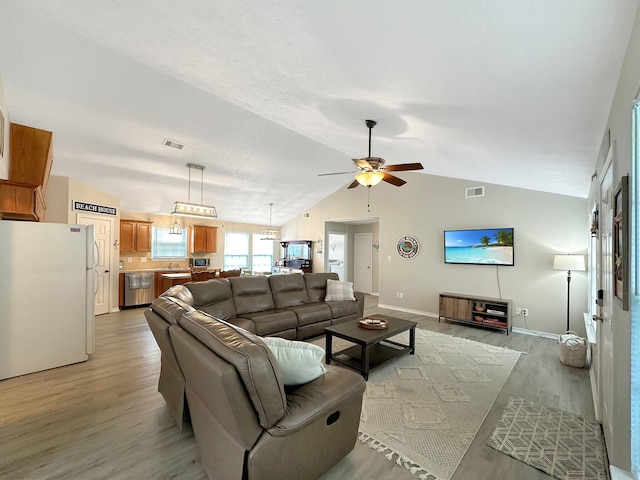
(407, 246)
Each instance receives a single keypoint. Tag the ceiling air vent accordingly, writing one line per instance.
(173, 144)
(472, 192)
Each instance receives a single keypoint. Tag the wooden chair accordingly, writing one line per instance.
(202, 276)
(229, 273)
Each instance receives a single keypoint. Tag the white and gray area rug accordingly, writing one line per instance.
(559, 443)
(422, 411)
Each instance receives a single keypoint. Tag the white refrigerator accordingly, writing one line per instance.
(47, 291)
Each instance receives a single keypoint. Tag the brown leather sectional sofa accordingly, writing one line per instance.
(246, 423)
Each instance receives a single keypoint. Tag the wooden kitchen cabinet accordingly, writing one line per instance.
(135, 236)
(31, 155)
(203, 239)
(30, 159)
(21, 201)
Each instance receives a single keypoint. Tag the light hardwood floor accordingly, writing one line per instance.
(104, 419)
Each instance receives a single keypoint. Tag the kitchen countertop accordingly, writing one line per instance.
(176, 275)
(138, 270)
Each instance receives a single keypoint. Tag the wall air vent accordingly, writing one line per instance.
(306, 215)
(472, 192)
(173, 144)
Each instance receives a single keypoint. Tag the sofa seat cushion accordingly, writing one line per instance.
(213, 297)
(272, 321)
(342, 309)
(299, 362)
(306, 403)
(311, 313)
(288, 290)
(251, 358)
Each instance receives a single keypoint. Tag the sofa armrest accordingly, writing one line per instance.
(359, 296)
(318, 398)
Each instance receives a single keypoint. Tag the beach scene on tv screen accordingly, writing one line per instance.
(493, 246)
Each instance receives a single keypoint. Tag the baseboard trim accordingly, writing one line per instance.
(409, 310)
(526, 331)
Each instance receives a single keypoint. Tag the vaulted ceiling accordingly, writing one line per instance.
(269, 94)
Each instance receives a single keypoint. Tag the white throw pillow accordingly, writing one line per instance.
(338, 291)
(299, 362)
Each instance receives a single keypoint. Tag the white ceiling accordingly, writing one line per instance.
(268, 94)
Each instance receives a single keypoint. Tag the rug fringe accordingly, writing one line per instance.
(402, 461)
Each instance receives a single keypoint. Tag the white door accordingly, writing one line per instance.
(336, 258)
(362, 275)
(605, 333)
(103, 241)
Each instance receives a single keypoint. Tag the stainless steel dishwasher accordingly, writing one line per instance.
(138, 289)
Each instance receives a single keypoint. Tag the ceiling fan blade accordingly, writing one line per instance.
(353, 184)
(401, 167)
(335, 173)
(362, 163)
(398, 182)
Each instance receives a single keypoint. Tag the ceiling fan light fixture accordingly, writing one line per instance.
(197, 210)
(369, 178)
(270, 233)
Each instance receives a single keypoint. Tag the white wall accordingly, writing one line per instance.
(545, 224)
(619, 123)
(4, 112)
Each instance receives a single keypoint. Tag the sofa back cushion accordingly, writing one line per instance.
(251, 294)
(170, 309)
(251, 358)
(317, 284)
(213, 297)
(181, 293)
(288, 290)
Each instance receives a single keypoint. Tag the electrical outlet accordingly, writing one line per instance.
(518, 311)
(143, 259)
(129, 259)
(389, 258)
(525, 312)
(401, 295)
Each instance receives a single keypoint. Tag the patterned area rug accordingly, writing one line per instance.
(559, 443)
(423, 411)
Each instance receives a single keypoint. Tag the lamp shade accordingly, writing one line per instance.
(569, 263)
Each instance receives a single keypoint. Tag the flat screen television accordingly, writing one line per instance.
(487, 246)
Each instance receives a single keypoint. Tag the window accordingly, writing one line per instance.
(236, 250)
(262, 258)
(168, 245)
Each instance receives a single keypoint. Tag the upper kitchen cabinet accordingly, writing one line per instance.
(30, 159)
(135, 236)
(31, 155)
(203, 239)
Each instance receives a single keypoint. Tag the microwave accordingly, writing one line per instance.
(199, 262)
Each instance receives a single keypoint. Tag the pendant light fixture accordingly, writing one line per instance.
(270, 233)
(175, 228)
(198, 210)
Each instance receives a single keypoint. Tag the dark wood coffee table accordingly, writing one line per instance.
(372, 348)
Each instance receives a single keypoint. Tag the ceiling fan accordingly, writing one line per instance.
(372, 169)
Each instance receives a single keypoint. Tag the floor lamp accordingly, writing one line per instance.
(568, 263)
